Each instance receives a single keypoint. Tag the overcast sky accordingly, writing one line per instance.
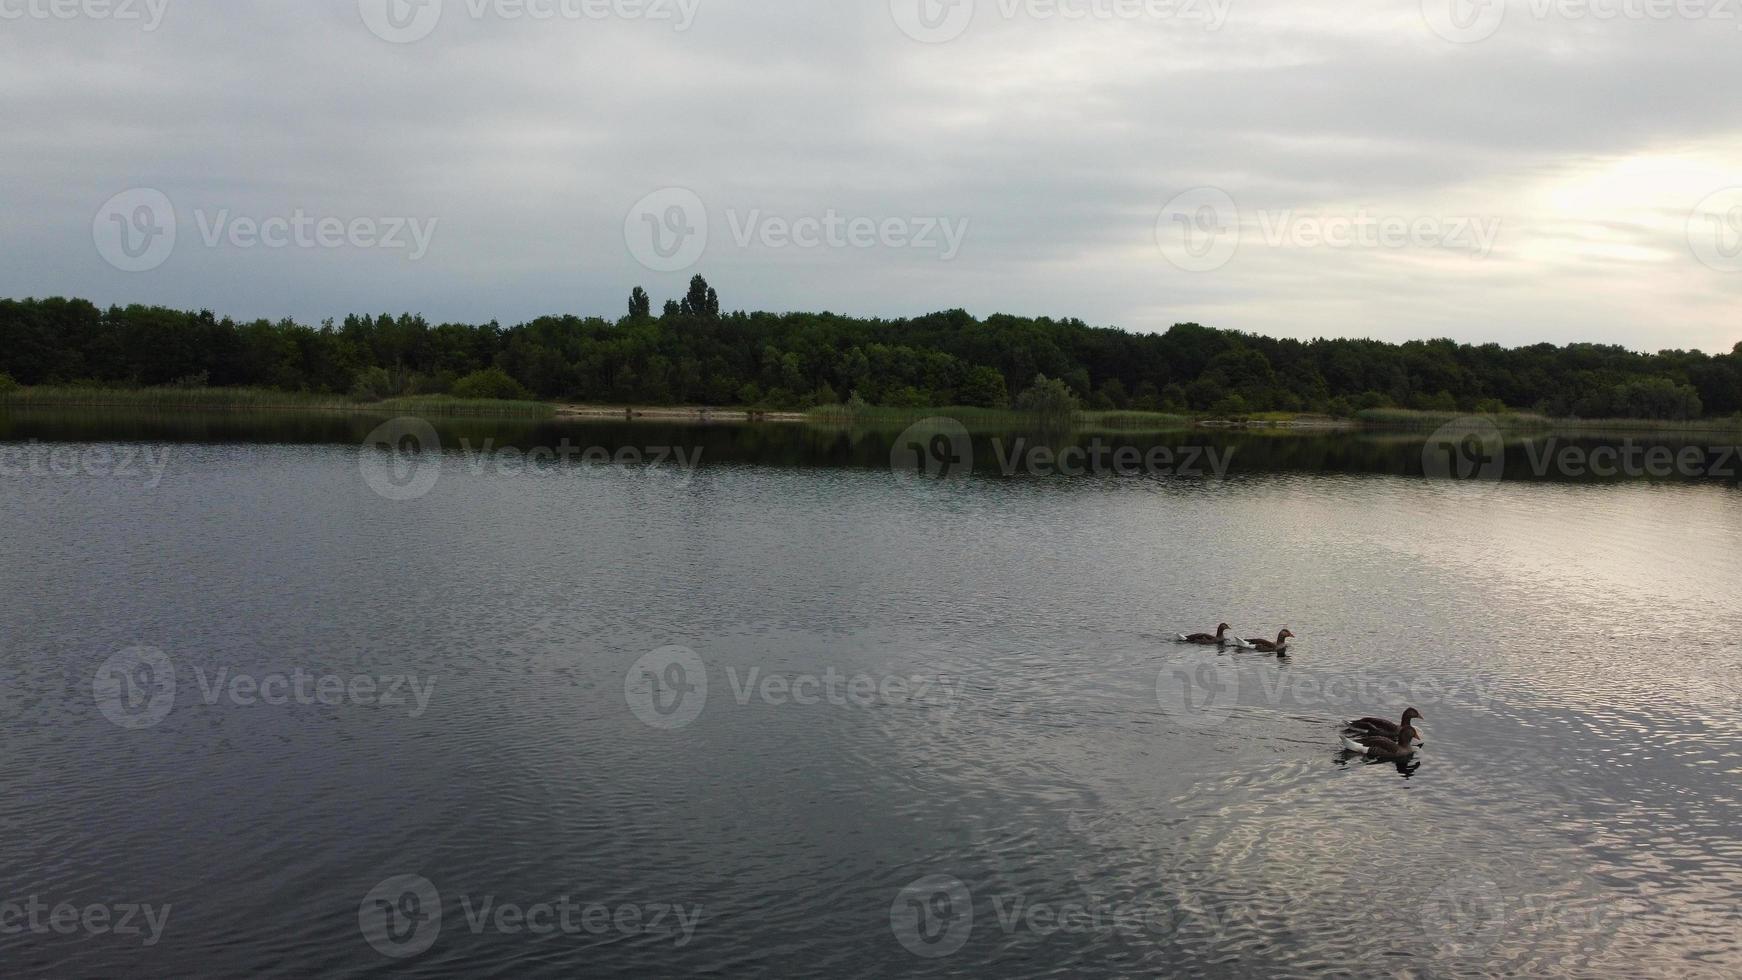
(1383, 168)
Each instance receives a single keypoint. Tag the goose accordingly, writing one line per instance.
(1380, 747)
(1205, 639)
(1280, 646)
(1379, 726)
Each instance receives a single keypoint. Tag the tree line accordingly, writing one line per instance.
(692, 353)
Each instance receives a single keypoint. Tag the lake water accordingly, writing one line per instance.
(793, 710)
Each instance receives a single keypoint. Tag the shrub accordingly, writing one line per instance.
(7, 384)
(492, 384)
(1051, 400)
(379, 384)
(985, 389)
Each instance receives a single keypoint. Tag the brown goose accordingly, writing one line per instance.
(1379, 726)
(1280, 646)
(1206, 639)
(1380, 747)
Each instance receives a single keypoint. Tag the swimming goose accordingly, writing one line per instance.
(1205, 639)
(1280, 646)
(1379, 726)
(1380, 747)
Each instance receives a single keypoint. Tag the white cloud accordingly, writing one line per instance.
(1588, 142)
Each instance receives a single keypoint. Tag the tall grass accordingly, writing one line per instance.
(883, 416)
(1402, 418)
(1406, 418)
(449, 405)
(1133, 421)
(249, 399)
(261, 400)
(993, 419)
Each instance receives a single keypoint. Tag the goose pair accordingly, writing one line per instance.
(1381, 739)
(1221, 638)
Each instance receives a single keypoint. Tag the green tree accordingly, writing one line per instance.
(985, 388)
(701, 301)
(1050, 401)
(640, 304)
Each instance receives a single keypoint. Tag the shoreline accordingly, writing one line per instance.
(636, 413)
(245, 402)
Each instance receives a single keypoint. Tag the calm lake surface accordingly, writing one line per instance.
(944, 731)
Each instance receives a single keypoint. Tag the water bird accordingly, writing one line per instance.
(1380, 747)
(1206, 639)
(1280, 646)
(1379, 726)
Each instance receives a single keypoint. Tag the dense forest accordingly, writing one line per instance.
(692, 353)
